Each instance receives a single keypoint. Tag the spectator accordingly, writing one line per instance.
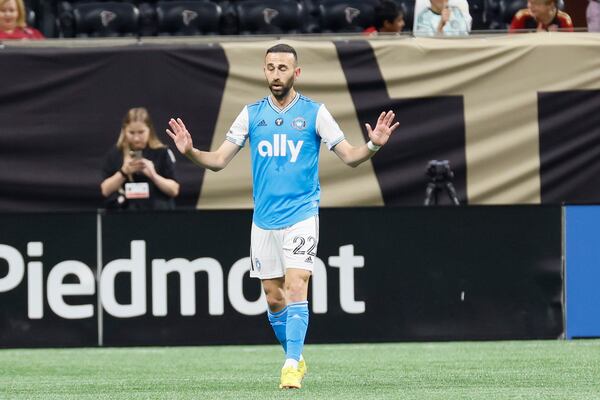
(541, 15)
(441, 19)
(12, 22)
(139, 172)
(593, 16)
(389, 18)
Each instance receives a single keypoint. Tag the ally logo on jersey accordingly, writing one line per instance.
(280, 146)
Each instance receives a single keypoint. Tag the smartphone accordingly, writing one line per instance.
(135, 154)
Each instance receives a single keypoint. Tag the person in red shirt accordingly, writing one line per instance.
(541, 15)
(12, 21)
(389, 18)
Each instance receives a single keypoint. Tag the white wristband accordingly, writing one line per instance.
(372, 146)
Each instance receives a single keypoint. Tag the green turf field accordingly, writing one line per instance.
(458, 370)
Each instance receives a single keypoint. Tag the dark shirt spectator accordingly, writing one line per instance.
(139, 172)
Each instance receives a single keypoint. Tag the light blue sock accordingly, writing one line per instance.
(278, 322)
(295, 332)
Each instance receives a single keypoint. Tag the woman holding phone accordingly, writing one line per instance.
(139, 171)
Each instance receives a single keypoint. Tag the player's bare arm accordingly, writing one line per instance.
(355, 155)
(213, 160)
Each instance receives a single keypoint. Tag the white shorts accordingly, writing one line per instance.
(273, 251)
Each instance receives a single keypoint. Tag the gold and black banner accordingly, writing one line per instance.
(516, 116)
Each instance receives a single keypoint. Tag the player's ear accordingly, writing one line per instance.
(297, 72)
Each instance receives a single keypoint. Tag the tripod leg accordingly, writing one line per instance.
(452, 193)
(429, 193)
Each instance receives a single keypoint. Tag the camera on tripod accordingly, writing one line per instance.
(440, 178)
(439, 171)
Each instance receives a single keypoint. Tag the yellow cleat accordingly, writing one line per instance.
(291, 378)
(302, 368)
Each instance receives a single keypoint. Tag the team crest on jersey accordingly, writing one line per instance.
(299, 123)
(279, 121)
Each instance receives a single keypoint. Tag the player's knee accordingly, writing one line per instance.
(275, 303)
(275, 299)
(296, 291)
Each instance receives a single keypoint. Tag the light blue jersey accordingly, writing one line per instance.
(284, 145)
(428, 21)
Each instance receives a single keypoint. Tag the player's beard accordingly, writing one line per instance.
(283, 91)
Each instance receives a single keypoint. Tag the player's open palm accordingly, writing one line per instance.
(180, 135)
(383, 129)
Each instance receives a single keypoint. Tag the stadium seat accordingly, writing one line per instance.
(60, 14)
(493, 14)
(509, 8)
(30, 13)
(311, 12)
(46, 18)
(188, 18)
(65, 19)
(269, 17)
(228, 23)
(134, 2)
(105, 19)
(148, 25)
(477, 10)
(346, 15)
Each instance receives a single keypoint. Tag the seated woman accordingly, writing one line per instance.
(12, 22)
(139, 171)
(541, 15)
(441, 19)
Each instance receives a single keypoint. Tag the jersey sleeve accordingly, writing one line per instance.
(168, 165)
(35, 34)
(518, 21)
(327, 128)
(111, 164)
(462, 20)
(424, 25)
(565, 21)
(238, 133)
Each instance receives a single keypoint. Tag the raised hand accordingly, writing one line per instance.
(180, 135)
(384, 128)
(445, 15)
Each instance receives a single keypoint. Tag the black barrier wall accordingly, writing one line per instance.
(47, 280)
(181, 278)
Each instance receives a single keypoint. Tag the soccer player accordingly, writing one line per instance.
(285, 131)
